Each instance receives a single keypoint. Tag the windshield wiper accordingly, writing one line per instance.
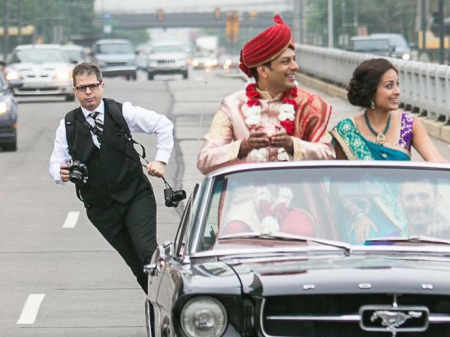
(409, 239)
(286, 237)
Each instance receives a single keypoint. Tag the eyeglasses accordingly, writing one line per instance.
(92, 87)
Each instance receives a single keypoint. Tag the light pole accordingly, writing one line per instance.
(441, 32)
(330, 24)
(5, 29)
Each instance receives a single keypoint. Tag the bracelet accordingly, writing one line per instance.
(359, 216)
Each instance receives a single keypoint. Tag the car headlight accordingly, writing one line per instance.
(5, 106)
(406, 57)
(204, 316)
(13, 75)
(62, 75)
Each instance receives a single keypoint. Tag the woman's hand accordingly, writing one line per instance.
(362, 228)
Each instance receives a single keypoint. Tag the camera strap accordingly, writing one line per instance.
(143, 155)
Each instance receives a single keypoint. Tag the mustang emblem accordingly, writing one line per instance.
(394, 319)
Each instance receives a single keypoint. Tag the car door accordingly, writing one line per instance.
(164, 281)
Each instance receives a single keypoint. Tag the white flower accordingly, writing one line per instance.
(253, 120)
(285, 196)
(269, 225)
(252, 110)
(262, 194)
(259, 155)
(282, 154)
(253, 115)
(286, 112)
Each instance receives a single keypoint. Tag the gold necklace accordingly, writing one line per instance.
(381, 136)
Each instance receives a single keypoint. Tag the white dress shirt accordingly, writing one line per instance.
(138, 120)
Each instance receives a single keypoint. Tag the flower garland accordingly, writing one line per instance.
(272, 209)
(286, 114)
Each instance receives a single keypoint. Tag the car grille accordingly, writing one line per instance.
(116, 64)
(338, 315)
(40, 89)
(36, 76)
(165, 61)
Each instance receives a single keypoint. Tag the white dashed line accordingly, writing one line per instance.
(71, 219)
(31, 309)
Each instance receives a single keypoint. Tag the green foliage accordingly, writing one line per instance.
(55, 20)
(379, 16)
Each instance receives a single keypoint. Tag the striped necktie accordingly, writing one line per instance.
(98, 128)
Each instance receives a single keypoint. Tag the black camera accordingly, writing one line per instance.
(172, 198)
(78, 172)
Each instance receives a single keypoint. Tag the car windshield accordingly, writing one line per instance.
(351, 205)
(38, 55)
(167, 49)
(370, 45)
(115, 48)
(75, 55)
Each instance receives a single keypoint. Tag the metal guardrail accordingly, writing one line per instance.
(425, 87)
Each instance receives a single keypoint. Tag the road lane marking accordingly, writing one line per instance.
(71, 219)
(31, 309)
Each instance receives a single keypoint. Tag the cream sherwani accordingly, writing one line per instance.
(228, 129)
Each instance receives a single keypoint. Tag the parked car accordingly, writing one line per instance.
(270, 249)
(392, 45)
(76, 54)
(167, 58)
(371, 45)
(8, 114)
(115, 57)
(398, 42)
(44, 69)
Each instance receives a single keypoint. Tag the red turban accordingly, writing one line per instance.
(266, 46)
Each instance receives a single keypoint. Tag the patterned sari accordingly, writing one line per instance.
(383, 209)
(358, 147)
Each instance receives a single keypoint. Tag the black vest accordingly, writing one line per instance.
(112, 175)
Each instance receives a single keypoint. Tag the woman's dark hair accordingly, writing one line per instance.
(363, 85)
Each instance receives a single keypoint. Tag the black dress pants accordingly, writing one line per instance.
(130, 229)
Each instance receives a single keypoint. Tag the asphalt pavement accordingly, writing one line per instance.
(58, 276)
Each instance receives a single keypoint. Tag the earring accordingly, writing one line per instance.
(372, 104)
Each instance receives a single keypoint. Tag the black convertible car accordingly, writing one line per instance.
(311, 249)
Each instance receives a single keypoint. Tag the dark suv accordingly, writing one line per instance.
(8, 115)
(115, 57)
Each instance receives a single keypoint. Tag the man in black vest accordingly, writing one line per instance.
(117, 195)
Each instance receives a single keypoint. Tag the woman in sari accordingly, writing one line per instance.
(381, 132)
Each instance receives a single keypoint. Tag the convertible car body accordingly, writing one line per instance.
(308, 249)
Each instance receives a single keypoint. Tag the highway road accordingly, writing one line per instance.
(58, 276)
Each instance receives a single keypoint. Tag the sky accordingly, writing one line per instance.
(149, 6)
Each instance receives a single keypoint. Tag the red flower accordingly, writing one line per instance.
(288, 126)
(252, 102)
(250, 87)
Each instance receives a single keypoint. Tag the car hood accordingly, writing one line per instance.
(42, 67)
(339, 275)
(170, 56)
(115, 57)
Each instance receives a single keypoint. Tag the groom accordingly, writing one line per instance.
(272, 119)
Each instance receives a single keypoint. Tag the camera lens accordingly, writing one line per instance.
(76, 176)
(179, 195)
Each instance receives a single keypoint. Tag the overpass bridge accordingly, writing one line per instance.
(247, 20)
